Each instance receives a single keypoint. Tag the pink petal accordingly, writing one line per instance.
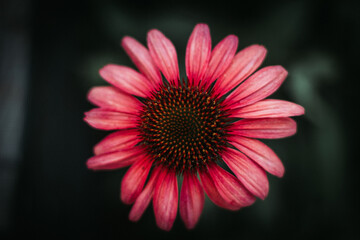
(257, 87)
(142, 59)
(260, 153)
(127, 80)
(114, 160)
(248, 172)
(134, 180)
(221, 57)
(142, 202)
(213, 193)
(265, 127)
(243, 65)
(230, 188)
(269, 108)
(166, 200)
(191, 200)
(164, 54)
(198, 52)
(108, 120)
(116, 141)
(112, 99)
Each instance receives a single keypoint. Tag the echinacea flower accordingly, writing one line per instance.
(170, 127)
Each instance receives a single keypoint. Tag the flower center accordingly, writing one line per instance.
(183, 128)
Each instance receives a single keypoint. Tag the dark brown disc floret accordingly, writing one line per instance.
(183, 128)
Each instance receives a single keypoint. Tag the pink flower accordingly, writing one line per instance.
(170, 128)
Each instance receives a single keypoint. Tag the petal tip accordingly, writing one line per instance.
(262, 50)
(280, 170)
(105, 70)
(90, 94)
(280, 69)
(281, 174)
(301, 110)
(202, 28)
(86, 117)
(260, 47)
(90, 164)
(264, 193)
(202, 25)
(125, 196)
(189, 226)
(125, 40)
(233, 38)
(166, 227)
(153, 32)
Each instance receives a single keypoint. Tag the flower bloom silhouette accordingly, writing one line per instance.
(170, 128)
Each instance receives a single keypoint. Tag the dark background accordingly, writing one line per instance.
(50, 53)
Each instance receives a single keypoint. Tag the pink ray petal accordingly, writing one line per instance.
(269, 128)
(269, 108)
(134, 180)
(198, 52)
(213, 193)
(259, 86)
(248, 172)
(243, 65)
(165, 201)
(142, 202)
(112, 99)
(142, 59)
(164, 54)
(108, 120)
(116, 141)
(114, 160)
(191, 200)
(230, 188)
(260, 153)
(127, 80)
(221, 57)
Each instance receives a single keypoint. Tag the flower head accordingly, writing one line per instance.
(170, 127)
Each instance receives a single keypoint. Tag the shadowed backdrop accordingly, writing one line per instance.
(50, 54)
